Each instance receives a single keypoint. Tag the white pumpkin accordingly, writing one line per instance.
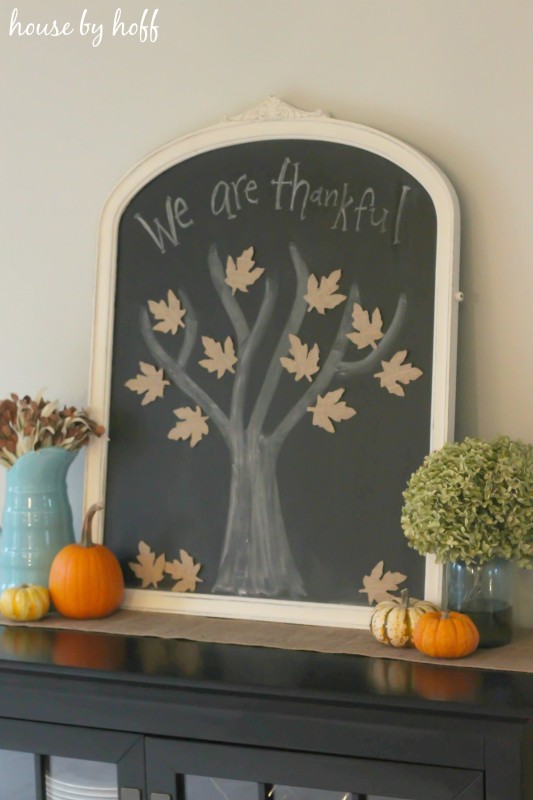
(393, 621)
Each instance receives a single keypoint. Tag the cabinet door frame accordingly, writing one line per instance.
(169, 759)
(125, 750)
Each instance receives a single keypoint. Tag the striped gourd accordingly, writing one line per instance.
(25, 603)
(393, 621)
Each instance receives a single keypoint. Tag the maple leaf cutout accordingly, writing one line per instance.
(240, 274)
(192, 425)
(149, 382)
(378, 586)
(367, 330)
(322, 295)
(304, 362)
(185, 572)
(220, 359)
(394, 373)
(149, 569)
(331, 409)
(170, 313)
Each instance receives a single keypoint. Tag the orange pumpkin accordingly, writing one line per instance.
(86, 580)
(443, 634)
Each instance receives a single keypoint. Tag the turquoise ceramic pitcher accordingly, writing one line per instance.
(37, 519)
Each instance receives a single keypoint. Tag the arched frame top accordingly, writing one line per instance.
(275, 120)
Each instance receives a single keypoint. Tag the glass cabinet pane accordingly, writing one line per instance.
(279, 792)
(76, 779)
(198, 787)
(298, 793)
(256, 773)
(17, 775)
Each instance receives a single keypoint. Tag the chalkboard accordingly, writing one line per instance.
(273, 348)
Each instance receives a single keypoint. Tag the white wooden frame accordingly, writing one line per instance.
(274, 119)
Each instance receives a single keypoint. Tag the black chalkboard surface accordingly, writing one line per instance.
(259, 441)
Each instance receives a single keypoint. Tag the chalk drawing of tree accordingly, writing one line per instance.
(256, 557)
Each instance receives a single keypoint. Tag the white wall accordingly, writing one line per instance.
(451, 77)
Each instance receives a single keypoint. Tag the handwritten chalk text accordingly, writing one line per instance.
(343, 208)
(177, 211)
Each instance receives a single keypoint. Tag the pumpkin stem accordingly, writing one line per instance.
(405, 598)
(87, 530)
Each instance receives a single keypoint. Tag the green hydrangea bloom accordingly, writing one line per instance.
(473, 501)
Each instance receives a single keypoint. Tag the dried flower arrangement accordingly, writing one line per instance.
(472, 501)
(27, 425)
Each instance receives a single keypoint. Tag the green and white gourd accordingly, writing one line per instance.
(393, 621)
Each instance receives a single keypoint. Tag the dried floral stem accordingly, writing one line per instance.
(28, 424)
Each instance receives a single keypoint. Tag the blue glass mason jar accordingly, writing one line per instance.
(484, 592)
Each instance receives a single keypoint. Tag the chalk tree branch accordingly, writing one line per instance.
(191, 330)
(228, 300)
(293, 324)
(348, 369)
(323, 378)
(335, 365)
(249, 349)
(182, 380)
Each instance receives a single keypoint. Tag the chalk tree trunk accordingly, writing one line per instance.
(256, 557)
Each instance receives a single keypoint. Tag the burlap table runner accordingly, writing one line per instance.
(516, 656)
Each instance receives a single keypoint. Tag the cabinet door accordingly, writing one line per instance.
(178, 770)
(39, 761)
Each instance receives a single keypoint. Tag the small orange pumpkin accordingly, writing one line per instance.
(86, 580)
(445, 634)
